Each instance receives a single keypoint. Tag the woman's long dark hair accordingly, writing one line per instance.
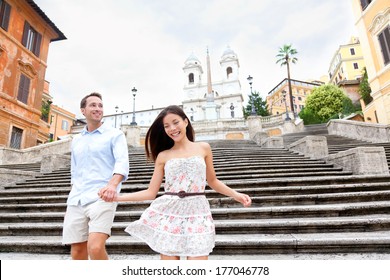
(157, 140)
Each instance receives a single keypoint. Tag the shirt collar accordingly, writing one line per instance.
(100, 129)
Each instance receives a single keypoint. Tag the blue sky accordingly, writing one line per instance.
(113, 46)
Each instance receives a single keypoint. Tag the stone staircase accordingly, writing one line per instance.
(335, 143)
(36, 167)
(300, 206)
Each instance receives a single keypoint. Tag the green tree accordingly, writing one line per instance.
(286, 56)
(326, 102)
(45, 110)
(309, 117)
(260, 105)
(364, 88)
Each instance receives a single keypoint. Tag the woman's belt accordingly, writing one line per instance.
(183, 194)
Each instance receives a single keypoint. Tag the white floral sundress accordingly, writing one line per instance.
(176, 226)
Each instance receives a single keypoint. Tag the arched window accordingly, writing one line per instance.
(191, 78)
(229, 70)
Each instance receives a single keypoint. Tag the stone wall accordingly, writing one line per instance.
(34, 154)
(371, 132)
(315, 147)
(362, 160)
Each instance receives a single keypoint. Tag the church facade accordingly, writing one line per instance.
(205, 99)
(215, 108)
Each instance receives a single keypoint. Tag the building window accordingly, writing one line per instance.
(31, 39)
(355, 66)
(384, 41)
(229, 70)
(365, 3)
(16, 138)
(352, 50)
(64, 125)
(5, 11)
(191, 78)
(24, 88)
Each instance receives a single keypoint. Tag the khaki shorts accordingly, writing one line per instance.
(80, 221)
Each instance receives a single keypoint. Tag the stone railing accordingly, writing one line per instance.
(34, 154)
(315, 147)
(371, 132)
(360, 160)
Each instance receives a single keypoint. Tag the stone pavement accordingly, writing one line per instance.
(358, 256)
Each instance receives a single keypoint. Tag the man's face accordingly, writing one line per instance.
(93, 110)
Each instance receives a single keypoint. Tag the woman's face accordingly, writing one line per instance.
(175, 126)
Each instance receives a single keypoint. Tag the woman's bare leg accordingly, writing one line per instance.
(201, 258)
(164, 257)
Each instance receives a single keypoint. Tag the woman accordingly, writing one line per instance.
(179, 223)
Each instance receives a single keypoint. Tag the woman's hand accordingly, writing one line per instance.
(244, 199)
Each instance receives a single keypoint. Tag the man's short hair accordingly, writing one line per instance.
(83, 102)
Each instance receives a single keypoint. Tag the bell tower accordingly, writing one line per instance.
(192, 77)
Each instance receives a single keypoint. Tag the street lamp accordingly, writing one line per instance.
(253, 111)
(116, 111)
(134, 90)
(285, 103)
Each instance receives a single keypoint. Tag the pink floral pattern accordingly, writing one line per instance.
(176, 226)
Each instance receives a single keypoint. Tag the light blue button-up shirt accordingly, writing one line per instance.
(96, 156)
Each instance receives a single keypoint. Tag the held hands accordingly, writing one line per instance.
(108, 194)
(244, 199)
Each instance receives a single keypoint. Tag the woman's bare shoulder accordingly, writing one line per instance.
(203, 145)
(162, 157)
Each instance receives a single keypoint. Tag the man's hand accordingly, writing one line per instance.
(108, 193)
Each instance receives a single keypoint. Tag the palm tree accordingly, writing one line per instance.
(285, 57)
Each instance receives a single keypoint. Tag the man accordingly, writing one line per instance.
(99, 162)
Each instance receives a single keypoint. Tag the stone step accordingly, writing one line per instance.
(241, 167)
(55, 195)
(231, 226)
(144, 179)
(303, 182)
(226, 244)
(218, 168)
(260, 196)
(54, 212)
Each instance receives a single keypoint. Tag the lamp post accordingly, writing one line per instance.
(134, 90)
(253, 110)
(116, 113)
(285, 103)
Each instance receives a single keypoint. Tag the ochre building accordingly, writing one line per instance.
(373, 24)
(25, 35)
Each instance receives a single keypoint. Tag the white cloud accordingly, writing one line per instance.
(113, 46)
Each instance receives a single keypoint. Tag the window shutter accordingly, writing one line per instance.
(37, 44)
(24, 87)
(384, 41)
(25, 33)
(21, 87)
(4, 15)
